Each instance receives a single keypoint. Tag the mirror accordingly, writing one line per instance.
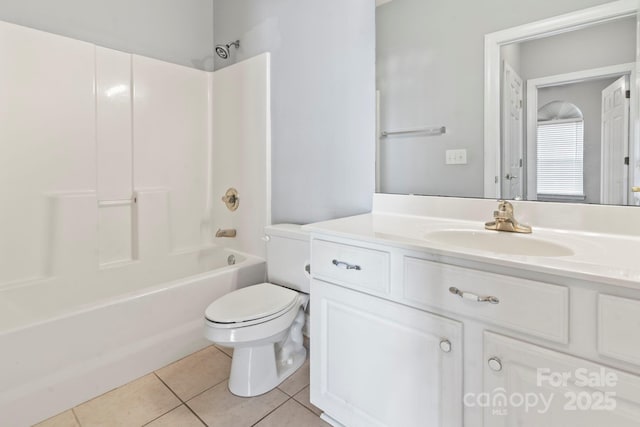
(552, 118)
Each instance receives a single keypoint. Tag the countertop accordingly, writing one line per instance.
(597, 257)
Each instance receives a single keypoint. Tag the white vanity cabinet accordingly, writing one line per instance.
(531, 386)
(378, 363)
(533, 307)
(388, 347)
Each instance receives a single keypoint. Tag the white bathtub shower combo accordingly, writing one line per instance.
(112, 170)
(80, 345)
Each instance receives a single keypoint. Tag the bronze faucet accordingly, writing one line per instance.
(505, 221)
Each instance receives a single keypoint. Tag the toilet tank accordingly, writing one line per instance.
(288, 253)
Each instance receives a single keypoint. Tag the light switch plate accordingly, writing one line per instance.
(456, 157)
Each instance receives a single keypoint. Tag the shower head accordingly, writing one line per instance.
(222, 50)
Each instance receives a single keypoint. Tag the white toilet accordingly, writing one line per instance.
(263, 323)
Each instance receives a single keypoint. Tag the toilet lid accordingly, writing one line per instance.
(251, 303)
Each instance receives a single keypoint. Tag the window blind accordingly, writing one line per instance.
(560, 158)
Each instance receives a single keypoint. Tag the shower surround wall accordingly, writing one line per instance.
(74, 197)
(109, 158)
(242, 157)
(112, 166)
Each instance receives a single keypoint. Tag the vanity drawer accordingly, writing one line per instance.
(356, 267)
(536, 308)
(618, 326)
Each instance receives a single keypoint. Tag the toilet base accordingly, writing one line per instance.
(261, 367)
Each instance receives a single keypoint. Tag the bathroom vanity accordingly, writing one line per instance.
(421, 317)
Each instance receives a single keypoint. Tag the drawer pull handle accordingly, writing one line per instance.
(474, 297)
(346, 265)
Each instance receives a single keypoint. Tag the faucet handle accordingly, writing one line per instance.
(504, 212)
(504, 205)
(231, 199)
(504, 220)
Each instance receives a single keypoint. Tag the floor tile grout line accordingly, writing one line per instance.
(292, 395)
(76, 416)
(187, 356)
(281, 390)
(182, 402)
(167, 386)
(195, 414)
(223, 352)
(306, 407)
(302, 403)
(273, 410)
(162, 415)
(204, 391)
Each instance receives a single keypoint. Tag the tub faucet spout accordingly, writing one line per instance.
(229, 232)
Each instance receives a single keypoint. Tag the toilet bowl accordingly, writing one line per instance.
(263, 323)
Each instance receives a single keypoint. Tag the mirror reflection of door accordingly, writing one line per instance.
(615, 143)
(579, 144)
(578, 161)
(512, 135)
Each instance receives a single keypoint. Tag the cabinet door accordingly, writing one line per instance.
(378, 363)
(529, 386)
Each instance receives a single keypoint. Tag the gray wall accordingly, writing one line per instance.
(587, 96)
(511, 55)
(176, 31)
(593, 47)
(430, 71)
(323, 99)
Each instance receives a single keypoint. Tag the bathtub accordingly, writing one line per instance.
(65, 341)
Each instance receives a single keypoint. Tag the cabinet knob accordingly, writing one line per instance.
(495, 364)
(445, 346)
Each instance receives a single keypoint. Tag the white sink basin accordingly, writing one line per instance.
(499, 242)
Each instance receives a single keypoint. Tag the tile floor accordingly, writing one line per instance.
(193, 392)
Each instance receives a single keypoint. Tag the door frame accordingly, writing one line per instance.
(536, 30)
(628, 69)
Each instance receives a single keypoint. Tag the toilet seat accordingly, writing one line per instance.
(251, 305)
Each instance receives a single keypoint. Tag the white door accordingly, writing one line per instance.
(615, 143)
(529, 386)
(512, 135)
(376, 363)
